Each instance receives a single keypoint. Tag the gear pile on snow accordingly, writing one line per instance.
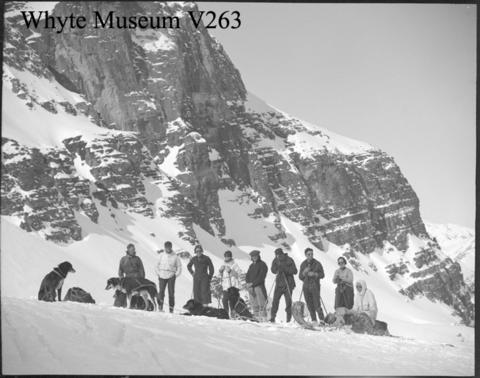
(77, 294)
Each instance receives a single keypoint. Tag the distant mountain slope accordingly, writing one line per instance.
(458, 243)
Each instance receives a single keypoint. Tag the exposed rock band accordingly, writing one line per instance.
(169, 267)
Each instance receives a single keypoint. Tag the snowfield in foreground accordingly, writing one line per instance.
(73, 338)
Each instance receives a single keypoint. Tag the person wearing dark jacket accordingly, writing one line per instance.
(311, 272)
(202, 275)
(284, 267)
(131, 265)
(343, 277)
(255, 279)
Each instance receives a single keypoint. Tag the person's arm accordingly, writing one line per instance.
(120, 268)
(211, 270)
(236, 271)
(303, 271)
(372, 303)
(356, 303)
(290, 267)
(179, 266)
(140, 268)
(189, 266)
(335, 277)
(248, 276)
(263, 272)
(274, 267)
(321, 273)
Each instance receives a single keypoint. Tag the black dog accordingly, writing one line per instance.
(133, 287)
(52, 283)
(198, 309)
(238, 305)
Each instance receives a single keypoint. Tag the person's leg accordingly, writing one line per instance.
(277, 293)
(225, 300)
(310, 305)
(197, 296)
(205, 291)
(161, 291)
(253, 302)
(338, 299)
(317, 304)
(171, 293)
(349, 297)
(262, 303)
(288, 302)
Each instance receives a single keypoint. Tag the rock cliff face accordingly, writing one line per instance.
(176, 115)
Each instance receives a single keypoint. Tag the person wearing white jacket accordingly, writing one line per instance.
(168, 268)
(230, 275)
(365, 301)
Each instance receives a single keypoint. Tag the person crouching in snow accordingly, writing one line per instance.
(311, 272)
(343, 277)
(230, 275)
(364, 301)
(168, 269)
(202, 275)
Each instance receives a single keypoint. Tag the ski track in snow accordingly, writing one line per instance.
(55, 338)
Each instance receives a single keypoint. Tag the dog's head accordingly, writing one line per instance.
(113, 283)
(330, 318)
(65, 267)
(233, 293)
(192, 306)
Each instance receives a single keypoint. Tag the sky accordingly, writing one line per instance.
(401, 77)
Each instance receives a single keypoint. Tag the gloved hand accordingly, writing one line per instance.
(228, 269)
(222, 268)
(311, 274)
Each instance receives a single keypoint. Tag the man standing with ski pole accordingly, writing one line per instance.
(284, 267)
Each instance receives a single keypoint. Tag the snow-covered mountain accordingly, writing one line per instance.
(136, 136)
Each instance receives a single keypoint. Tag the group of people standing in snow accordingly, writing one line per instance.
(200, 266)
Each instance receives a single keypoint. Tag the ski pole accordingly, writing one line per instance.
(323, 304)
(268, 296)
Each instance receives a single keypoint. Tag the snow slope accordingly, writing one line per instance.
(71, 338)
(36, 126)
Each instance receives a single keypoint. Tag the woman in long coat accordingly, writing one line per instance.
(343, 277)
(202, 275)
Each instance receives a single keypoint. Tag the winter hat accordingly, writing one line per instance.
(343, 259)
(255, 253)
(279, 251)
(228, 254)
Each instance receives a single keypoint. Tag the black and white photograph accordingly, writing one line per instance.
(232, 188)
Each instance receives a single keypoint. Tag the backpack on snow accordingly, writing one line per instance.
(361, 323)
(77, 294)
